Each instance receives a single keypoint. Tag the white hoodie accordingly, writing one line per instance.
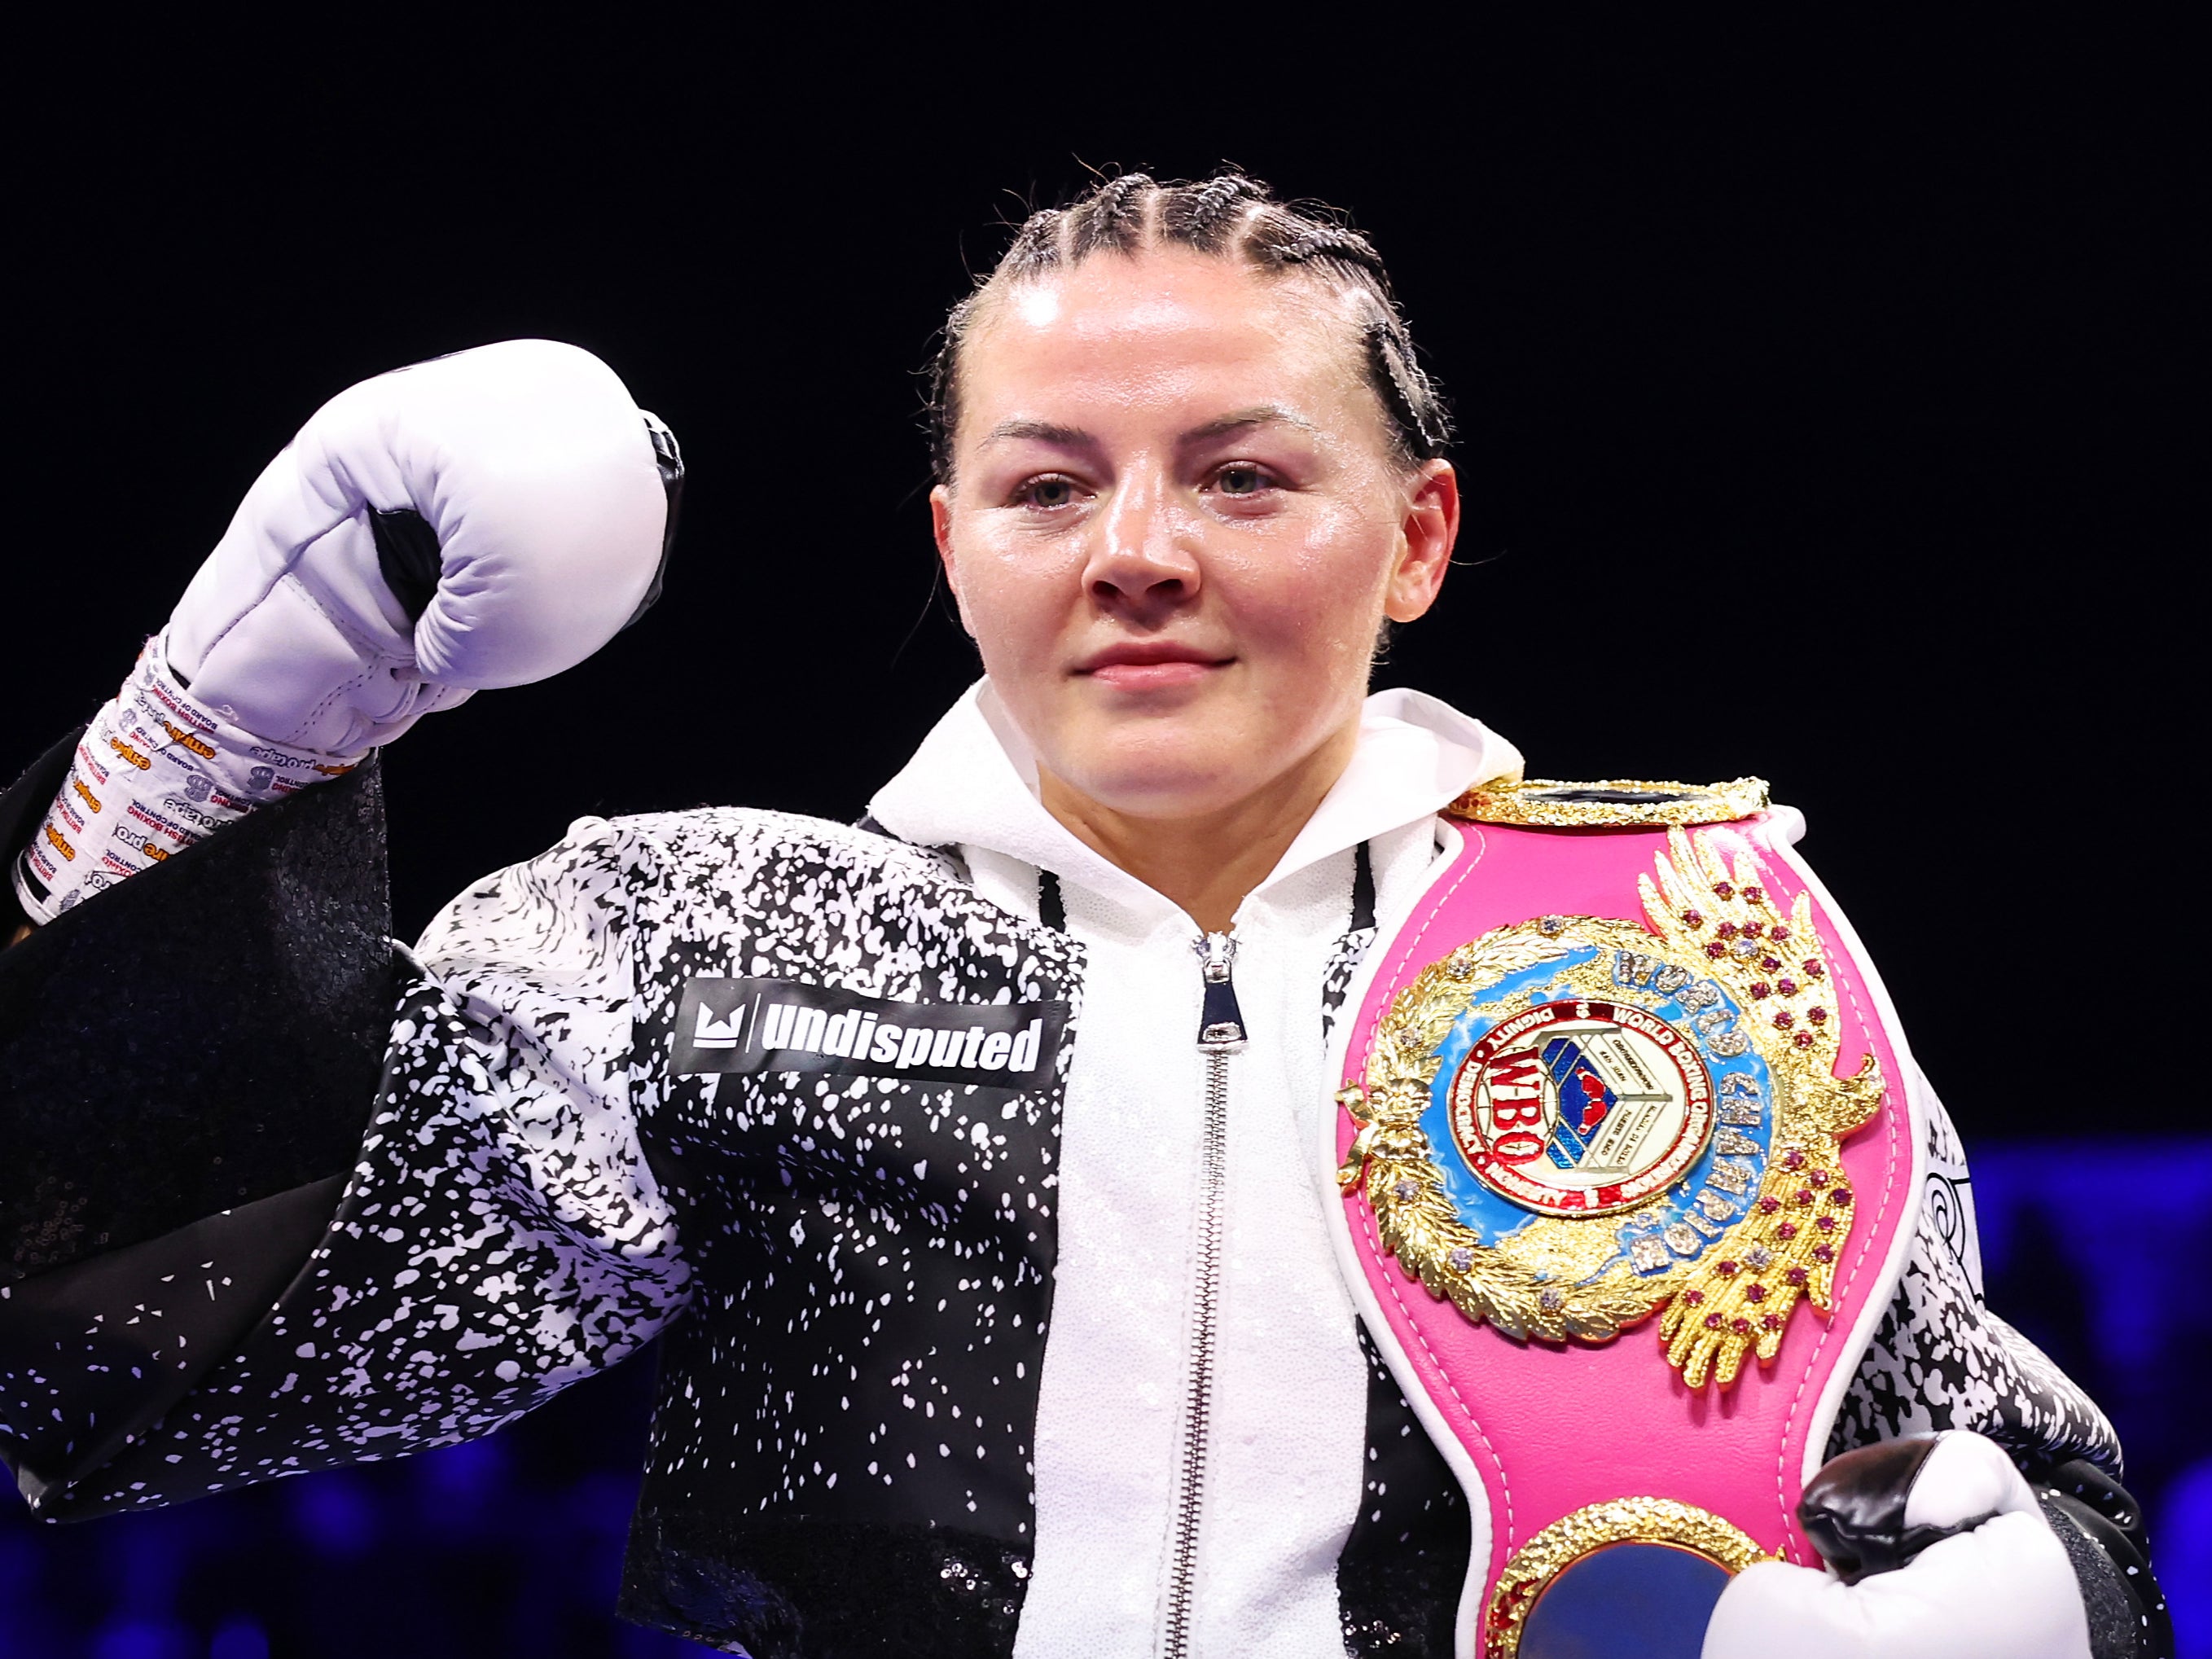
(1287, 1426)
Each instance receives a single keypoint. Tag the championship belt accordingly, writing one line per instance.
(1622, 1098)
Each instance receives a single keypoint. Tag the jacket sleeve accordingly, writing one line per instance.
(1942, 1359)
(407, 1249)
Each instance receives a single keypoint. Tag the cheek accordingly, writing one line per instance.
(1318, 595)
(1015, 602)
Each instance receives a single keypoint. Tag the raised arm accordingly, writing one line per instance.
(191, 1044)
(484, 520)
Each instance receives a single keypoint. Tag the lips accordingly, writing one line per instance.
(1149, 665)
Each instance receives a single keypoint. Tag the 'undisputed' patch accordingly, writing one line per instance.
(752, 1025)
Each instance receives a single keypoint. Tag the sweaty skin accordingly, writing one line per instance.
(1175, 528)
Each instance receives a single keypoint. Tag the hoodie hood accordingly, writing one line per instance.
(973, 782)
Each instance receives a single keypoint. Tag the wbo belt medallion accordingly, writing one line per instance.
(1568, 1123)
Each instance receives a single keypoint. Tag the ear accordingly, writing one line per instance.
(940, 526)
(1424, 543)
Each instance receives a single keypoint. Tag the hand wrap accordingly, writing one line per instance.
(155, 772)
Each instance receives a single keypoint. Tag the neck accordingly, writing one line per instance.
(1207, 863)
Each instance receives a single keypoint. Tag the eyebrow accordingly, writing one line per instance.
(1262, 415)
(1042, 432)
(1069, 437)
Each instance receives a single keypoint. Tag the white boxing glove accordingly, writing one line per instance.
(482, 519)
(520, 494)
(1995, 1584)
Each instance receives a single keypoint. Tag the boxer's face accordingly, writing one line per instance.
(1175, 528)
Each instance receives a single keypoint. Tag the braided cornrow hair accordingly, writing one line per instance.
(1226, 217)
(1112, 219)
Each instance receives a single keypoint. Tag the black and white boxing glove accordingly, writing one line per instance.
(1936, 1548)
(482, 519)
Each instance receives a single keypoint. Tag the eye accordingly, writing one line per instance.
(1046, 492)
(1241, 478)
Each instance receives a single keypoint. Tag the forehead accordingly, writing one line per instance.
(1161, 334)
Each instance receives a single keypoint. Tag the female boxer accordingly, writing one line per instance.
(966, 1161)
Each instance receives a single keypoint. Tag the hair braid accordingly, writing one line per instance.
(1036, 245)
(1408, 394)
(1197, 216)
(1332, 243)
(1112, 221)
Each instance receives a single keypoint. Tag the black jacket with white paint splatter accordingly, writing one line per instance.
(279, 1199)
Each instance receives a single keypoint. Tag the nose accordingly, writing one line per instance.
(1144, 557)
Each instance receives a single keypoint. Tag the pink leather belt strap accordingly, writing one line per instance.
(1555, 1426)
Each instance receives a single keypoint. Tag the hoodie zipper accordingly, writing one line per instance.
(1220, 1034)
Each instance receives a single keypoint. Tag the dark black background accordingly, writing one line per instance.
(1826, 405)
(1830, 397)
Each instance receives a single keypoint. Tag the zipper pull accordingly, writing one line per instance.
(1221, 1023)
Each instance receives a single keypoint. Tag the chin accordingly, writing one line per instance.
(1160, 785)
